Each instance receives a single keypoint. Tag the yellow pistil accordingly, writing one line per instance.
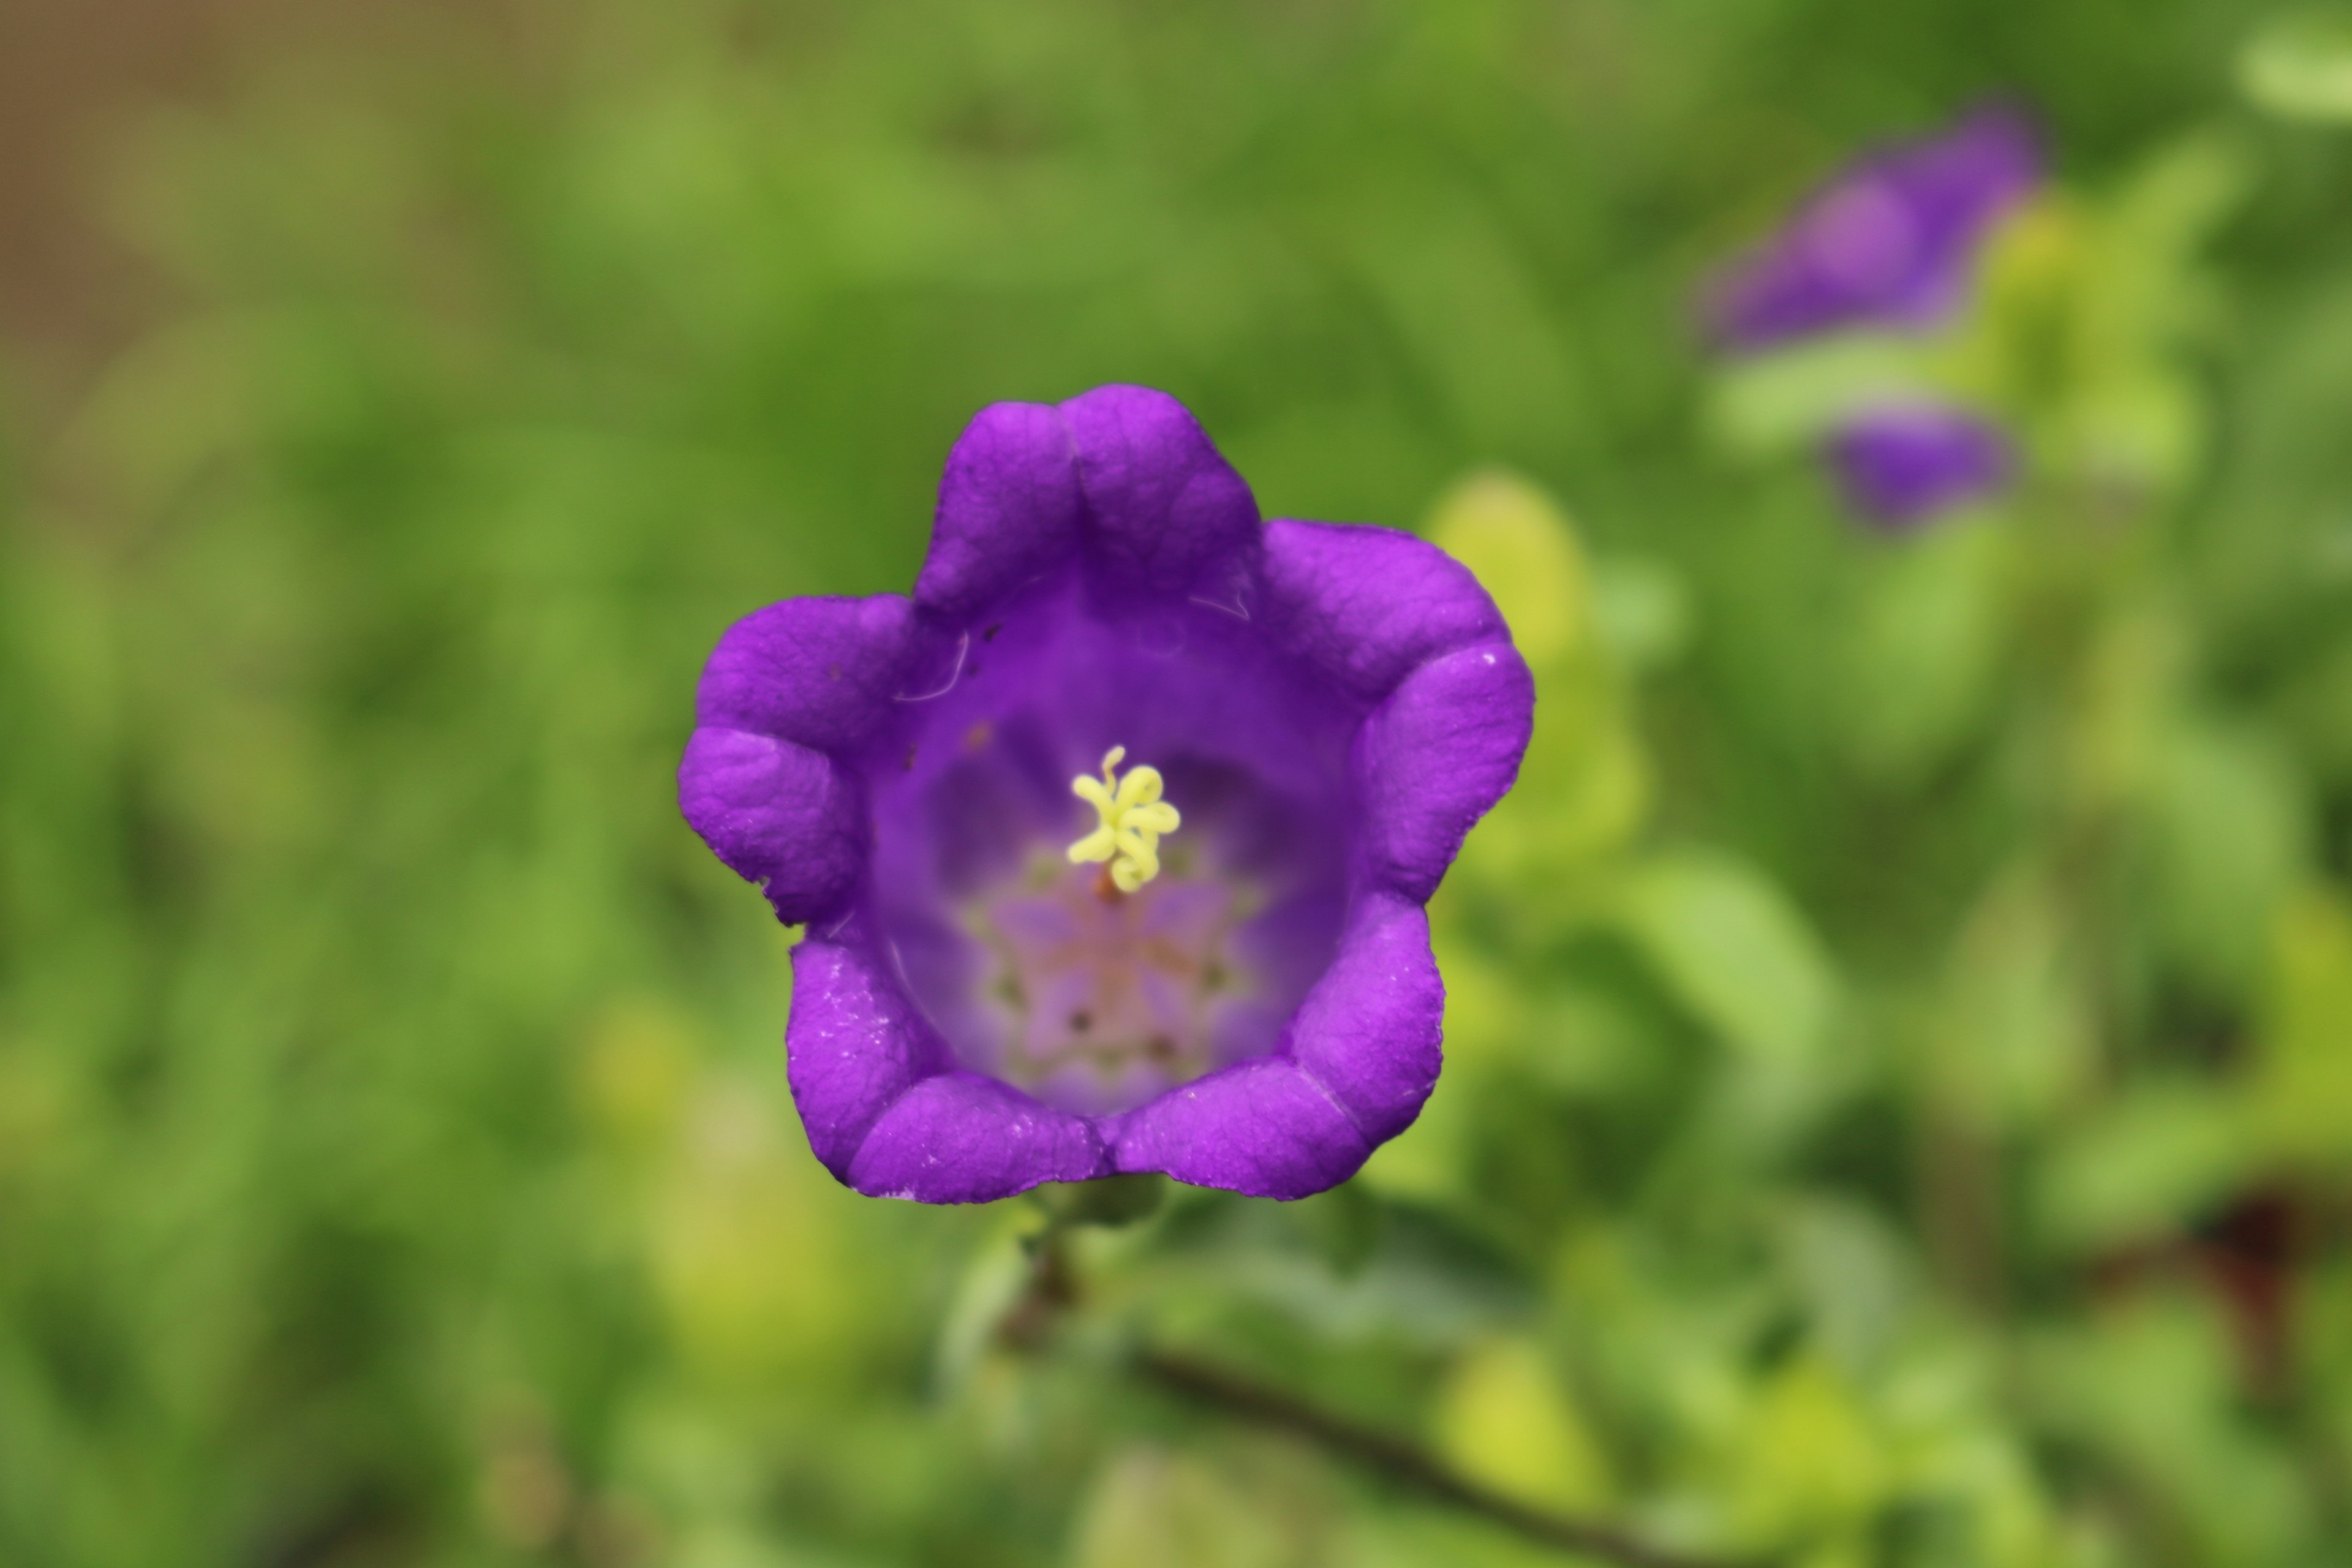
(1133, 816)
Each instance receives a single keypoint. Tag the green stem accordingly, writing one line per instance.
(1402, 1462)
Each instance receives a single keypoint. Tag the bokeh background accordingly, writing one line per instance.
(1899, 1097)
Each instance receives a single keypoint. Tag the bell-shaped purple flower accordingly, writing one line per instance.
(1024, 964)
(1890, 242)
(1903, 465)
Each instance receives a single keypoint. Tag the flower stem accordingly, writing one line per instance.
(1399, 1461)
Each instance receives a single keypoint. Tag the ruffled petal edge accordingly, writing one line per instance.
(1164, 511)
(1435, 756)
(888, 1110)
(1121, 478)
(821, 672)
(1264, 1127)
(961, 1138)
(779, 815)
(1009, 510)
(1371, 1031)
(1365, 606)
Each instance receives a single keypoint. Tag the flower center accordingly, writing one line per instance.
(1130, 819)
(1106, 998)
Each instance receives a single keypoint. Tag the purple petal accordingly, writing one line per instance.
(960, 1138)
(1369, 1031)
(1435, 756)
(855, 1043)
(1261, 1127)
(882, 767)
(820, 672)
(1890, 242)
(1009, 510)
(778, 815)
(1164, 511)
(1365, 606)
(1902, 466)
(887, 1110)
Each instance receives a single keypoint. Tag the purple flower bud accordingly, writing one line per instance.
(1891, 242)
(1023, 964)
(1902, 465)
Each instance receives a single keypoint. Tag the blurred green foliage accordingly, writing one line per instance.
(1899, 1100)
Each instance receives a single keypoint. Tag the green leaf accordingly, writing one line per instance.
(1851, 1270)
(1736, 950)
(2146, 1165)
(2303, 1076)
(1584, 786)
(1643, 610)
(2013, 1024)
(993, 1278)
(2231, 839)
(2299, 66)
(1786, 399)
(1812, 1461)
(1582, 793)
(2153, 1384)
(1522, 548)
(1505, 1419)
(1155, 1508)
(2142, 426)
(1923, 647)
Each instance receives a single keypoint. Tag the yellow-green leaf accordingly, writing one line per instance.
(1505, 1420)
(2299, 66)
(1523, 550)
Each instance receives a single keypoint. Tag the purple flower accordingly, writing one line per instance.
(1112, 842)
(1891, 242)
(1903, 465)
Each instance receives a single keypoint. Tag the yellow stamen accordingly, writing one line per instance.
(1131, 815)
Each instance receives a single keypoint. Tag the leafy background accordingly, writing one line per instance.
(1899, 1097)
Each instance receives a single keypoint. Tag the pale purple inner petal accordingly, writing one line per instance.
(1033, 971)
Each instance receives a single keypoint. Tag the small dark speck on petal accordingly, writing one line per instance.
(990, 635)
(908, 765)
(1081, 1021)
